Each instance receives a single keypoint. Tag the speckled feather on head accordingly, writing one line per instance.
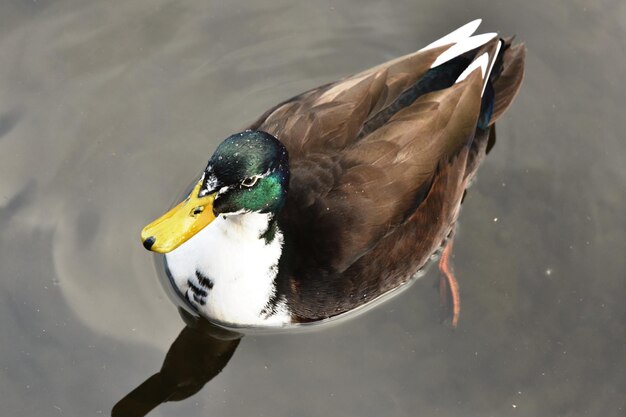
(253, 155)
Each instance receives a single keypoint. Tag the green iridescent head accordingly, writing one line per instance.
(249, 172)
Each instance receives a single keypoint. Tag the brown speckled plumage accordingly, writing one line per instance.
(377, 176)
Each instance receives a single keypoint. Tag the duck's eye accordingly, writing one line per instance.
(194, 212)
(249, 182)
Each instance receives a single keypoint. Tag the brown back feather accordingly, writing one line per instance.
(349, 189)
(369, 204)
(508, 83)
(346, 194)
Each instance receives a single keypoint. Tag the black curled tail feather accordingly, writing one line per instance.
(503, 85)
(504, 82)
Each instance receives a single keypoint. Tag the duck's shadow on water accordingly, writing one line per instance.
(198, 354)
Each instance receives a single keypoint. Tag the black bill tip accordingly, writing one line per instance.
(149, 242)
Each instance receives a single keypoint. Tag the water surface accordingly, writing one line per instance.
(107, 111)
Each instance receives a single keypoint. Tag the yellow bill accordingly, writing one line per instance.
(180, 223)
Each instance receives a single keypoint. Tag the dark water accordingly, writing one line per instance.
(108, 110)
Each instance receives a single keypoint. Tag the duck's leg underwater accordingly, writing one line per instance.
(449, 284)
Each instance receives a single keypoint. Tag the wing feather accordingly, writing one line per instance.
(351, 187)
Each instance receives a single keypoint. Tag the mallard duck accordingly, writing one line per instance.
(343, 193)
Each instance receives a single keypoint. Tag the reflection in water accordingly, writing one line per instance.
(198, 354)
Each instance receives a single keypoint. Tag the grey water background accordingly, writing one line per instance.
(109, 109)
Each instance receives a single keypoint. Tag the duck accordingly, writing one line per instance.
(337, 197)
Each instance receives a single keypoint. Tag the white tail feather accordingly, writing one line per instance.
(462, 41)
(483, 62)
(463, 46)
(493, 61)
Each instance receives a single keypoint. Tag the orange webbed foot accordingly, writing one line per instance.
(449, 283)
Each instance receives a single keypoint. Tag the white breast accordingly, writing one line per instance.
(241, 267)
